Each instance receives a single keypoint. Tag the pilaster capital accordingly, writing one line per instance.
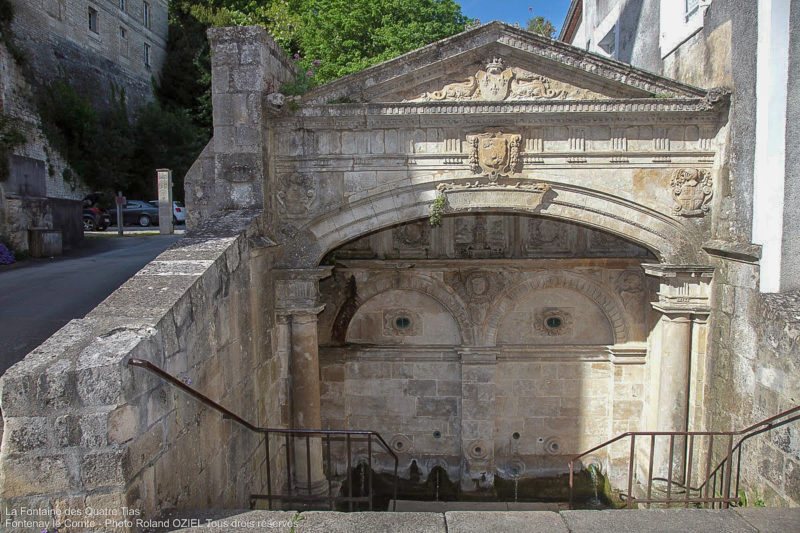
(297, 290)
(684, 289)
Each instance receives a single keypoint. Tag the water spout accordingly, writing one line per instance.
(594, 471)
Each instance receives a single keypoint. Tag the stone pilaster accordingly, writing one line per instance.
(684, 301)
(240, 79)
(296, 293)
(477, 418)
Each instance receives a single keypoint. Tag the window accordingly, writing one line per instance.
(123, 5)
(609, 43)
(146, 55)
(146, 14)
(691, 8)
(93, 20)
(123, 41)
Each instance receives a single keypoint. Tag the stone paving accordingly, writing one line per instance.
(745, 520)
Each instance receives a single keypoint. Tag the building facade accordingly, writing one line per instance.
(96, 44)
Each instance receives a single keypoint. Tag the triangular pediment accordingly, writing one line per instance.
(497, 62)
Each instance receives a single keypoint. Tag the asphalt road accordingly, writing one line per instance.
(37, 297)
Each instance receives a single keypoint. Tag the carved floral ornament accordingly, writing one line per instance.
(497, 83)
(692, 189)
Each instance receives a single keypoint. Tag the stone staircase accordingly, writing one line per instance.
(741, 520)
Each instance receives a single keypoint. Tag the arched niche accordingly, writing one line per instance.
(554, 316)
(400, 316)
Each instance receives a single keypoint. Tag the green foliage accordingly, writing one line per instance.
(10, 139)
(542, 26)
(111, 152)
(165, 139)
(341, 36)
(437, 210)
(349, 35)
(185, 82)
(6, 12)
(302, 83)
(756, 502)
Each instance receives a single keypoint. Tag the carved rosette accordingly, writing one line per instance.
(495, 154)
(415, 235)
(692, 189)
(553, 322)
(401, 322)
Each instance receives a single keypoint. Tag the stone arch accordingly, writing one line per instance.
(431, 287)
(670, 239)
(605, 300)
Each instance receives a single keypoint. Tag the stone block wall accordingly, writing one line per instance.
(84, 429)
(753, 376)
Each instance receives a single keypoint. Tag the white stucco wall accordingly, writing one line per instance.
(769, 171)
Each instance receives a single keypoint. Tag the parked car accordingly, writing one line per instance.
(178, 211)
(139, 212)
(94, 219)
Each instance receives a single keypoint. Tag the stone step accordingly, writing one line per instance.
(745, 520)
(404, 506)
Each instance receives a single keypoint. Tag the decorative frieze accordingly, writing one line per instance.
(496, 83)
(619, 140)
(577, 139)
(534, 141)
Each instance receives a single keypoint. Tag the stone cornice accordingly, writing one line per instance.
(629, 105)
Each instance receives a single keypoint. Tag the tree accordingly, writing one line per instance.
(542, 26)
(332, 38)
(346, 36)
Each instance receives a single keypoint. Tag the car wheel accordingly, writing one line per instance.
(88, 224)
(144, 220)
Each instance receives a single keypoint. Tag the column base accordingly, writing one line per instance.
(317, 488)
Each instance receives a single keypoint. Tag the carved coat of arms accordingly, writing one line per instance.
(494, 82)
(296, 194)
(495, 153)
(691, 191)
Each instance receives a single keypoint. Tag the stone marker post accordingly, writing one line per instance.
(165, 201)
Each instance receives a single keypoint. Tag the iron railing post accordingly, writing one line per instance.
(631, 459)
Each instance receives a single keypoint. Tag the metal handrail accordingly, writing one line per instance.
(347, 434)
(724, 469)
